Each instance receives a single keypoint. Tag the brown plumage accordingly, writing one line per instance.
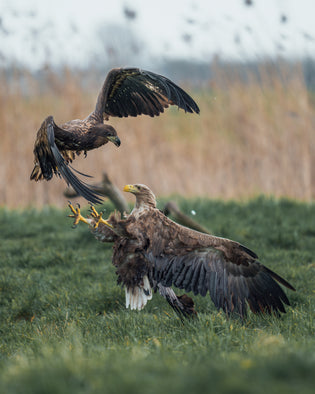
(183, 305)
(125, 92)
(150, 245)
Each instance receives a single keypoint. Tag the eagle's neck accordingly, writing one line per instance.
(143, 205)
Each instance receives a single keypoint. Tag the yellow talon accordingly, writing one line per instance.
(76, 215)
(94, 212)
(99, 218)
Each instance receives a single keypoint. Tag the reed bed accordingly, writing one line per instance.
(252, 137)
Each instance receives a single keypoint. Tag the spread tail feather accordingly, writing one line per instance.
(137, 297)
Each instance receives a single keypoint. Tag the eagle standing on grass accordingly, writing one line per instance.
(151, 250)
(125, 92)
(183, 305)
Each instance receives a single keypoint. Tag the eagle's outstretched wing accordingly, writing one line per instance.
(230, 285)
(132, 92)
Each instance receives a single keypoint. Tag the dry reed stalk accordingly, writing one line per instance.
(250, 138)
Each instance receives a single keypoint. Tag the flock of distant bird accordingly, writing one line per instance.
(152, 252)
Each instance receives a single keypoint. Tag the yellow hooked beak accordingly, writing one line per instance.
(115, 140)
(130, 189)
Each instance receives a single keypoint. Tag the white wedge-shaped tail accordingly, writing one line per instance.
(137, 297)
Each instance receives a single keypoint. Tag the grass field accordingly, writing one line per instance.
(64, 328)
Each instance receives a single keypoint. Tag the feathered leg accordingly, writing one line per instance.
(182, 305)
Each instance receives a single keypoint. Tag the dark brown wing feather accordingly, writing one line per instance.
(132, 92)
(45, 164)
(50, 161)
(230, 285)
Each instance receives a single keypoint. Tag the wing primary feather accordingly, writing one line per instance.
(164, 266)
(275, 290)
(169, 275)
(178, 282)
(173, 92)
(187, 282)
(202, 282)
(211, 278)
(279, 278)
(123, 86)
(150, 102)
(195, 278)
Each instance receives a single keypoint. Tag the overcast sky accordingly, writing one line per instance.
(77, 32)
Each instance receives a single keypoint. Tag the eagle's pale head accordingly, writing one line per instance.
(144, 196)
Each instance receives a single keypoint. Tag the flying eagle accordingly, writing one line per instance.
(152, 250)
(125, 92)
(183, 305)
